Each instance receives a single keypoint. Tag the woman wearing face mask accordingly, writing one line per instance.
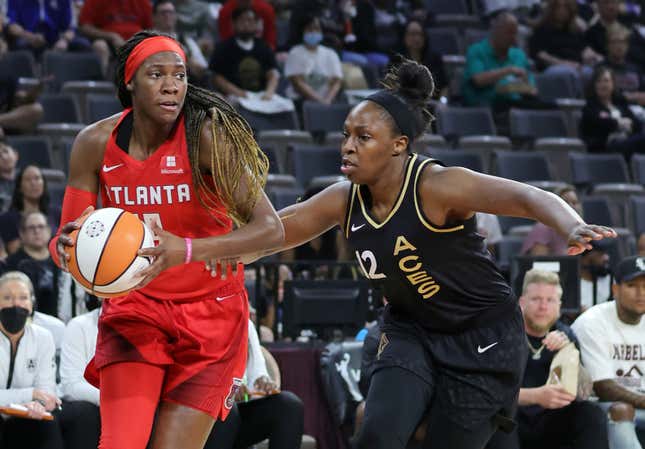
(314, 70)
(27, 370)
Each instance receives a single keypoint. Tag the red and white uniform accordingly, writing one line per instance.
(185, 319)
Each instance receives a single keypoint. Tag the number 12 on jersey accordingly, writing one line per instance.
(369, 257)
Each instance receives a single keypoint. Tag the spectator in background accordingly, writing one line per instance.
(109, 24)
(542, 240)
(596, 34)
(558, 45)
(497, 71)
(164, 18)
(595, 275)
(628, 77)
(264, 15)
(19, 110)
(612, 344)
(27, 370)
(194, 19)
(377, 28)
(314, 70)
(29, 195)
(607, 123)
(549, 415)
(273, 414)
(417, 48)
(244, 63)
(80, 418)
(640, 244)
(52, 285)
(489, 228)
(365, 49)
(8, 162)
(38, 25)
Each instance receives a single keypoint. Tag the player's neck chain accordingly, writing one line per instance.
(536, 352)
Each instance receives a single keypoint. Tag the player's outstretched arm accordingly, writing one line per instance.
(454, 193)
(304, 221)
(82, 186)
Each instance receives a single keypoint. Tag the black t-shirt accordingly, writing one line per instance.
(563, 44)
(247, 69)
(596, 38)
(44, 275)
(537, 370)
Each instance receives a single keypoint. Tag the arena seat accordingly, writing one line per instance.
(460, 158)
(530, 124)
(33, 150)
(455, 122)
(68, 66)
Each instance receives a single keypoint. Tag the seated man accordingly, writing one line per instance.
(244, 63)
(27, 369)
(497, 71)
(80, 419)
(612, 344)
(260, 411)
(548, 415)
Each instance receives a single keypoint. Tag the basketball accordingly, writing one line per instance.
(104, 256)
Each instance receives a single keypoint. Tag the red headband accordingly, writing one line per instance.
(149, 47)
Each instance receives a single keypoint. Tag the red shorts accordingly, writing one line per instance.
(202, 345)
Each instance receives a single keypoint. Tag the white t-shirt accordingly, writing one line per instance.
(611, 349)
(34, 365)
(602, 293)
(317, 67)
(79, 345)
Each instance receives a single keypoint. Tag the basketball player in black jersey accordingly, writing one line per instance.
(453, 342)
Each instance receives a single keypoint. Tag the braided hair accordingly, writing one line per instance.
(235, 154)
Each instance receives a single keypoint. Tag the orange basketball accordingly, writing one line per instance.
(104, 257)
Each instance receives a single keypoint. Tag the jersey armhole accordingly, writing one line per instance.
(419, 207)
(348, 210)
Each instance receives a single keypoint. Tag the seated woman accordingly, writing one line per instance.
(30, 194)
(607, 122)
(27, 371)
(314, 70)
(557, 44)
(416, 47)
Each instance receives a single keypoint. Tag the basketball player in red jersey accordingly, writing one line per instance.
(186, 162)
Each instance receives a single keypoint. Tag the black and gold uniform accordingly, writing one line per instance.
(452, 319)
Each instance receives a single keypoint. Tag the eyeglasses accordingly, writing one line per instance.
(34, 228)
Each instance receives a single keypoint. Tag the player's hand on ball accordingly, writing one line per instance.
(582, 235)
(170, 251)
(65, 240)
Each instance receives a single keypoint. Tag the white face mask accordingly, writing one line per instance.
(245, 45)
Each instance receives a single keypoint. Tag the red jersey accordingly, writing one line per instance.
(160, 189)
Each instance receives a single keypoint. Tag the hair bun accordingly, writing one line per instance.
(411, 80)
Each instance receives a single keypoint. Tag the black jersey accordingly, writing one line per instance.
(443, 277)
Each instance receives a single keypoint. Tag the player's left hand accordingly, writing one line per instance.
(555, 340)
(582, 235)
(170, 251)
(265, 385)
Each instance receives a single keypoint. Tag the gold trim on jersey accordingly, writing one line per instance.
(351, 207)
(416, 205)
(369, 219)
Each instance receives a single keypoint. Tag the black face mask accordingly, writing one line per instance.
(13, 319)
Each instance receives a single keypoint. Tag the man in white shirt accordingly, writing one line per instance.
(612, 343)
(80, 419)
(261, 411)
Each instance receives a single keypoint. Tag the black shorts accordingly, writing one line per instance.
(475, 374)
